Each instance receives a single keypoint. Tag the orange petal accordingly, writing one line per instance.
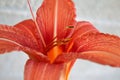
(18, 36)
(102, 57)
(8, 46)
(14, 39)
(45, 71)
(98, 41)
(28, 27)
(108, 45)
(54, 16)
(82, 28)
(97, 47)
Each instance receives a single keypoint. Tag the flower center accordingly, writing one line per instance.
(53, 53)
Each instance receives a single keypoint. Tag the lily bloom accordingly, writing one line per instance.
(54, 40)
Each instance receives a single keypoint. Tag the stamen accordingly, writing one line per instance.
(63, 41)
(72, 31)
(70, 27)
(57, 43)
(40, 34)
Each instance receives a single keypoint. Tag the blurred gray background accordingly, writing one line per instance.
(104, 14)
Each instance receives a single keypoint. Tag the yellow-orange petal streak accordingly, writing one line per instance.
(45, 71)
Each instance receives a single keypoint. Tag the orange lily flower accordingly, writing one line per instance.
(54, 40)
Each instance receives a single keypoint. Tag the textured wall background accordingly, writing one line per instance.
(104, 14)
